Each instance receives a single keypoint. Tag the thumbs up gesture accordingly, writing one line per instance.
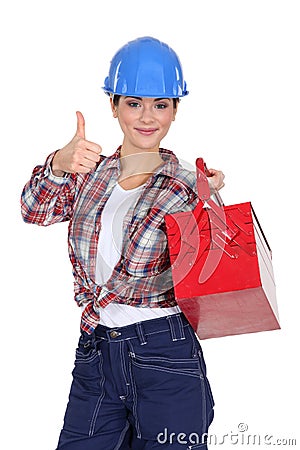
(79, 155)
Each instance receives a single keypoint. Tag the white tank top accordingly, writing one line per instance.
(109, 252)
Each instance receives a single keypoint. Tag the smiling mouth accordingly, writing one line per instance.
(146, 131)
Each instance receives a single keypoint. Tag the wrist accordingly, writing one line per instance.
(56, 171)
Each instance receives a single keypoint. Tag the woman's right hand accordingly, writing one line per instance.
(79, 156)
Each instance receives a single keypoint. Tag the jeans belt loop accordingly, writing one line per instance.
(176, 327)
(141, 334)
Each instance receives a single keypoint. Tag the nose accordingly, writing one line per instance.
(146, 114)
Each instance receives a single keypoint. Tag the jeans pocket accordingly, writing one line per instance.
(87, 390)
(175, 366)
(169, 396)
(88, 363)
(87, 356)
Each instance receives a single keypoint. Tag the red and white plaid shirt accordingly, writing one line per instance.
(142, 276)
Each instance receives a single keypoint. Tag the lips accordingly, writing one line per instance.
(146, 131)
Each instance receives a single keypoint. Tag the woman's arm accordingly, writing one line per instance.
(46, 198)
(49, 195)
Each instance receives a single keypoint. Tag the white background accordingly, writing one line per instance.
(241, 63)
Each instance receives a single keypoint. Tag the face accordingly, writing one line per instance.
(144, 122)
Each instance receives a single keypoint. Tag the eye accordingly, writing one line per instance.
(161, 106)
(133, 104)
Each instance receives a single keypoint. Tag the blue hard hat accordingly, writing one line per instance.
(145, 67)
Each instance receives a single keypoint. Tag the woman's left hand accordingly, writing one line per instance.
(216, 179)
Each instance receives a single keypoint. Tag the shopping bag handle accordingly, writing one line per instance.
(203, 188)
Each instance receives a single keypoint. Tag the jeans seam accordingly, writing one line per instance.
(173, 360)
(134, 407)
(123, 366)
(122, 434)
(200, 446)
(194, 349)
(83, 360)
(100, 398)
(203, 392)
(172, 371)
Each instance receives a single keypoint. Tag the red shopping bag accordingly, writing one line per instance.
(221, 266)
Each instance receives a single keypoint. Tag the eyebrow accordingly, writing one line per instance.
(140, 98)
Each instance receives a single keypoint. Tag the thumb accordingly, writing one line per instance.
(80, 132)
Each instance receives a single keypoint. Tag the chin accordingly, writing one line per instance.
(148, 145)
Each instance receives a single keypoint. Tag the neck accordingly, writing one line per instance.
(129, 149)
(139, 164)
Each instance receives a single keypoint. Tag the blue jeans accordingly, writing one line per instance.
(139, 387)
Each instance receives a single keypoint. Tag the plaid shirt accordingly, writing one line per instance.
(142, 276)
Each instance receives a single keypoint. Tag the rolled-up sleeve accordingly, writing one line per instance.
(47, 199)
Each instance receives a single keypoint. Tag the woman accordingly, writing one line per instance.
(139, 380)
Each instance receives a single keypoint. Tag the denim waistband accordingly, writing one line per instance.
(174, 323)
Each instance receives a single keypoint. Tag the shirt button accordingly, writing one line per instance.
(113, 334)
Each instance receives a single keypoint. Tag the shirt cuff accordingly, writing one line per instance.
(47, 172)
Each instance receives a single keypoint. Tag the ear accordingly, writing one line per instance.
(113, 108)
